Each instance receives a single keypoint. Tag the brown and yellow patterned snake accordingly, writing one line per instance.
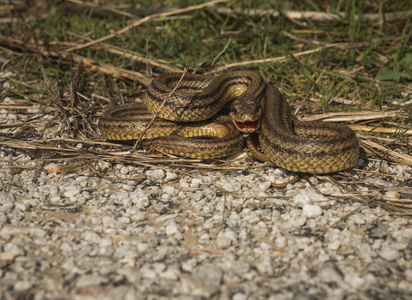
(189, 124)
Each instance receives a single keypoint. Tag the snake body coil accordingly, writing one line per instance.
(308, 147)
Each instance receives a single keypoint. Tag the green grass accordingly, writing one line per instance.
(194, 40)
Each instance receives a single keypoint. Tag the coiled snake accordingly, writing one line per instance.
(190, 115)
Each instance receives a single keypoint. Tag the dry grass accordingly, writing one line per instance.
(63, 79)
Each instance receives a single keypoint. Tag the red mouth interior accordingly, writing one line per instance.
(248, 126)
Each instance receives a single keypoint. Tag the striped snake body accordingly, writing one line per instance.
(309, 147)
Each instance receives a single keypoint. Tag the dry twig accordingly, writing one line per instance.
(313, 15)
(144, 20)
(88, 63)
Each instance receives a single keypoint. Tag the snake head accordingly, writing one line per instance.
(246, 113)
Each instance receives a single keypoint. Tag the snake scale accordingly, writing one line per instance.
(189, 123)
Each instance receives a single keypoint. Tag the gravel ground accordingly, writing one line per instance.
(124, 231)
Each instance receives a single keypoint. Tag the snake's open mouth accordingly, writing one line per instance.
(248, 126)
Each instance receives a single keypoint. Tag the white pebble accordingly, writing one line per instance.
(23, 285)
(71, 191)
(189, 265)
(171, 227)
(392, 195)
(7, 201)
(52, 168)
(159, 267)
(196, 182)
(408, 275)
(90, 280)
(170, 175)
(389, 253)
(140, 199)
(311, 211)
(301, 198)
(281, 242)
(169, 274)
(157, 174)
(358, 219)
(264, 186)
(225, 239)
(183, 183)
(168, 189)
(124, 171)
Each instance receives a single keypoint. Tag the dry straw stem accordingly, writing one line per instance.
(144, 20)
(88, 63)
(381, 129)
(395, 206)
(128, 54)
(93, 5)
(355, 116)
(158, 110)
(285, 57)
(314, 16)
(369, 146)
(363, 116)
(65, 150)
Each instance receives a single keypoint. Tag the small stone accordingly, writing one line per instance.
(124, 171)
(62, 207)
(91, 237)
(170, 175)
(208, 279)
(189, 265)
(171, 227)
(90, 280)
(330, 274)
(160, 208)
(170, 274)
(264, 186)
(183, 183)
(239, 296)
(280, 242)
(225, 239)
(168, 189)
(314, 196)
(196, 182)
(334, 245)
(311, 211)
(52, 168)
(23, 285)
(301, 198)
(376, 231)
(7, 256)
(358, 219)
(389, 253)
(265, 266)
(102, 166)
(71, 191)
(392, 195)
(222, 242)
(55, 199)
(408, 275)
(300, 221)
(7, 202)
(157, 174)
(354, 280)
(13, 249)
(140, 199)
(54, 190)
(159, 267)
(148, 272)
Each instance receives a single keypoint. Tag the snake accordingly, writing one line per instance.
(189, 122)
